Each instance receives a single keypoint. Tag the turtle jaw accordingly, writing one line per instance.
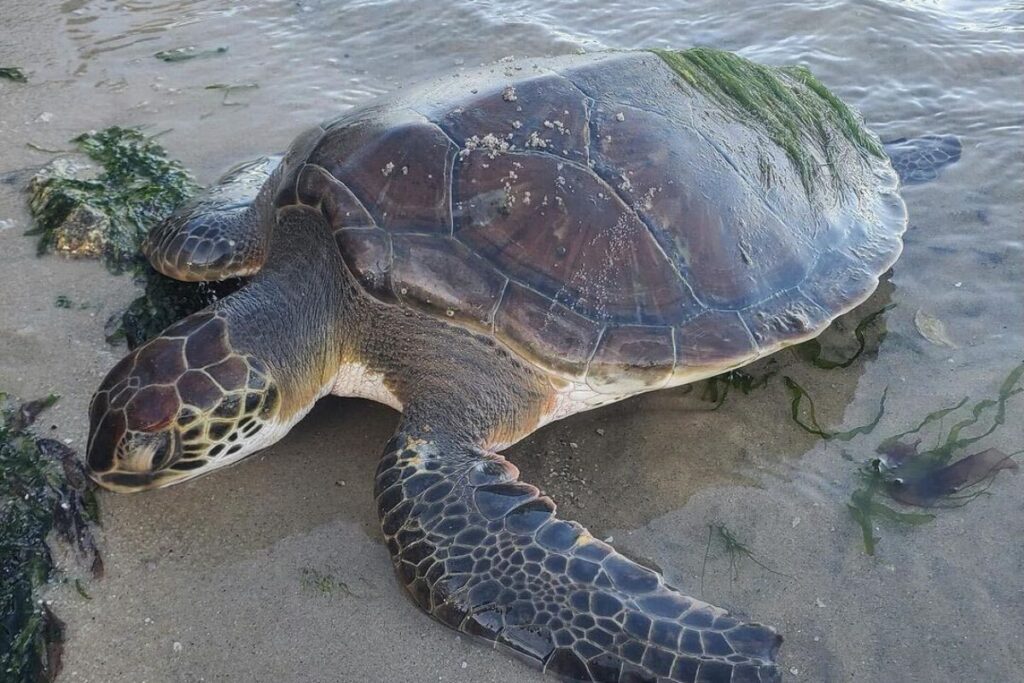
(134, 482)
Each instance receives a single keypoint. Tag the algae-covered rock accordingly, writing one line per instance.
(105, 212)
(82, 229)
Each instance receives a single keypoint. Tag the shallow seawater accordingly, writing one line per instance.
(274, 571)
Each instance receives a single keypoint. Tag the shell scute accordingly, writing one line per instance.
(785, 318)
(544, 114)
(545, 331)
(398, 165)
(632, 358)
(713, 339)
(445, 278)
(615, 198)
(721, 235)
(317, 188)
(558, 229)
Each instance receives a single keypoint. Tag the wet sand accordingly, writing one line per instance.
(274, 570)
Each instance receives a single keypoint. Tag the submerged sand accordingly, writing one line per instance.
(274, 570)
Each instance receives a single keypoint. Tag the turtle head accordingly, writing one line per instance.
(179, 406)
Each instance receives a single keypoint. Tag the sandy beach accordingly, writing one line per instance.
(274, 570)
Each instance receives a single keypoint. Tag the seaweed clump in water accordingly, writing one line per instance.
(795, 107)
(931, 478)
(13, 73)
(43, 489)
(716, 389)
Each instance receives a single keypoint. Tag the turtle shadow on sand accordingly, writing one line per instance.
(642, 458)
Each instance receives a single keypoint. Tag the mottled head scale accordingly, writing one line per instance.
(180, 405)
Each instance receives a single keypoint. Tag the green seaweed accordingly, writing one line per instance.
(865, 509)
(13, 73)
(322, 582)
(716, 388)
(164, 301)
(43, 490)
(182, 54)
(795, 108)
(137, 187)
(936, 416)
(735, 549)
(80, 589)
(947, 446)
(797, 397)
(926, 478)
(64, 301)
(811, 351)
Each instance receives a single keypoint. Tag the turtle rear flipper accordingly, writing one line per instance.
(220, 234)
(485, 554)
(918, 160)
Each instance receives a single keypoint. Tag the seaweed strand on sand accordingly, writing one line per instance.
(43, 490)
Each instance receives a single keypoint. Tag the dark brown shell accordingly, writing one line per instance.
(600, 217)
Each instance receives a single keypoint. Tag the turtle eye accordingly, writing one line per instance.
(147, 451)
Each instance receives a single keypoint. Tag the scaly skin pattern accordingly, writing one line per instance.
(181, 402)
(229, 380)
(486, 555)
(210, 238)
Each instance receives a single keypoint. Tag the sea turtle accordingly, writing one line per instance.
(490, 253)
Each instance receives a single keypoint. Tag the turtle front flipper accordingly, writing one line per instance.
(220, 234)
(918, 160)
(485, 554)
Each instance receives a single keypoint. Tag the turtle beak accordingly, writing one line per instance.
(133, 482)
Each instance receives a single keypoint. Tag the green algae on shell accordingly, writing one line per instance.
(795, 108)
